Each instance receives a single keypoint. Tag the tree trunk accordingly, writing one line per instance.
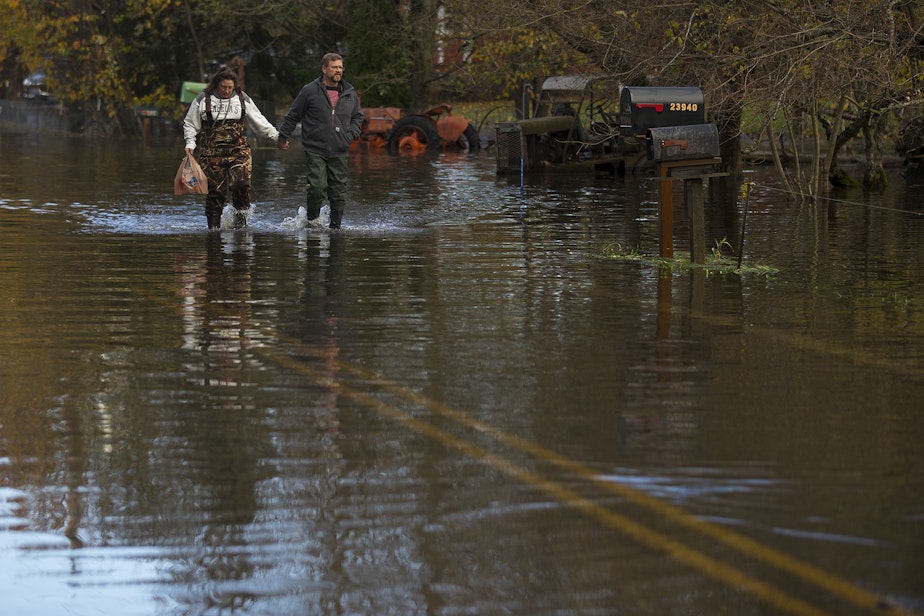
(729, 125)
(817, 185)
(192, 31)
(723, 191)
(778, 165)
(836, 140)
(874, 176)
(424, 19)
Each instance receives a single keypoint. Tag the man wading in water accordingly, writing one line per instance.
(219, 119)
(330, 116)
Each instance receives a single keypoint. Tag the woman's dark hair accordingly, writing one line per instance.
(222, 75)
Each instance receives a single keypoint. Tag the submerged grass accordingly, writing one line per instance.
(716, 261)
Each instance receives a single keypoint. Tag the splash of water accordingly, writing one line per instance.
(300, 221)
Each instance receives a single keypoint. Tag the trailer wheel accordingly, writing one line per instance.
(414, 129)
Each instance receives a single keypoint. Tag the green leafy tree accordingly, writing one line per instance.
(103, 58)
(381, 48)
(88, 52)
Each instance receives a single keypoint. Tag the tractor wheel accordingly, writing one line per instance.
(642, 167)
(413, 133)
(469, 140)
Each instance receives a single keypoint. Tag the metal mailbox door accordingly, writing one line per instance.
(676, 143)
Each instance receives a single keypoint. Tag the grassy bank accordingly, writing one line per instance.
(485, 113)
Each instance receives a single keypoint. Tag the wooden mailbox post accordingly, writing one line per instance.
(672, 122)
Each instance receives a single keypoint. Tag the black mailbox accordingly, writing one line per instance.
(644, 108)
(678, 143)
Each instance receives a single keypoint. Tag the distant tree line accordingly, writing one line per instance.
(820, 74)
(112, 55)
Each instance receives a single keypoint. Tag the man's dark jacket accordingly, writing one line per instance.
(325, 130)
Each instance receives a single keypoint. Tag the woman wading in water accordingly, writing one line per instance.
(218, 121)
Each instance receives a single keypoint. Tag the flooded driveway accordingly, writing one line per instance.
(454, 405)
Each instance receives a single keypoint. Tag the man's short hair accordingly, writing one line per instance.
(330, 57)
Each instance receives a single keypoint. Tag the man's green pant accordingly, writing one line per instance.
(327, 177)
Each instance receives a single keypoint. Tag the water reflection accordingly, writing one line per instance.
(221, 436)
(445, 406)
(321, 301)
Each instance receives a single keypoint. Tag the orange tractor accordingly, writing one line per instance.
(432, 131)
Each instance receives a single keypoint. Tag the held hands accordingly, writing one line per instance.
(282, 144)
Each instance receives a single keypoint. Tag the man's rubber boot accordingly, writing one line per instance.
(313, 216)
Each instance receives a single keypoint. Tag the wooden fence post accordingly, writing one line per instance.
(693, 196)
(667, 214)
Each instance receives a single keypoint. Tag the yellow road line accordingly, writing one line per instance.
(686, 555)
(832, 583)
(823, 579)
(725, 573)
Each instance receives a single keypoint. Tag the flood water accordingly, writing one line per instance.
(454, 405)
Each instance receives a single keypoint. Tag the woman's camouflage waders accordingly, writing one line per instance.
(225, 158)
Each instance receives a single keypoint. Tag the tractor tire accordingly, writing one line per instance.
(642, 167)
(469, 140)
(415, 127)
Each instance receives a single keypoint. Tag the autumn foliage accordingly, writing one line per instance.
(827, 73)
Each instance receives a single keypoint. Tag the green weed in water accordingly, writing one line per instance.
(716, 262)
